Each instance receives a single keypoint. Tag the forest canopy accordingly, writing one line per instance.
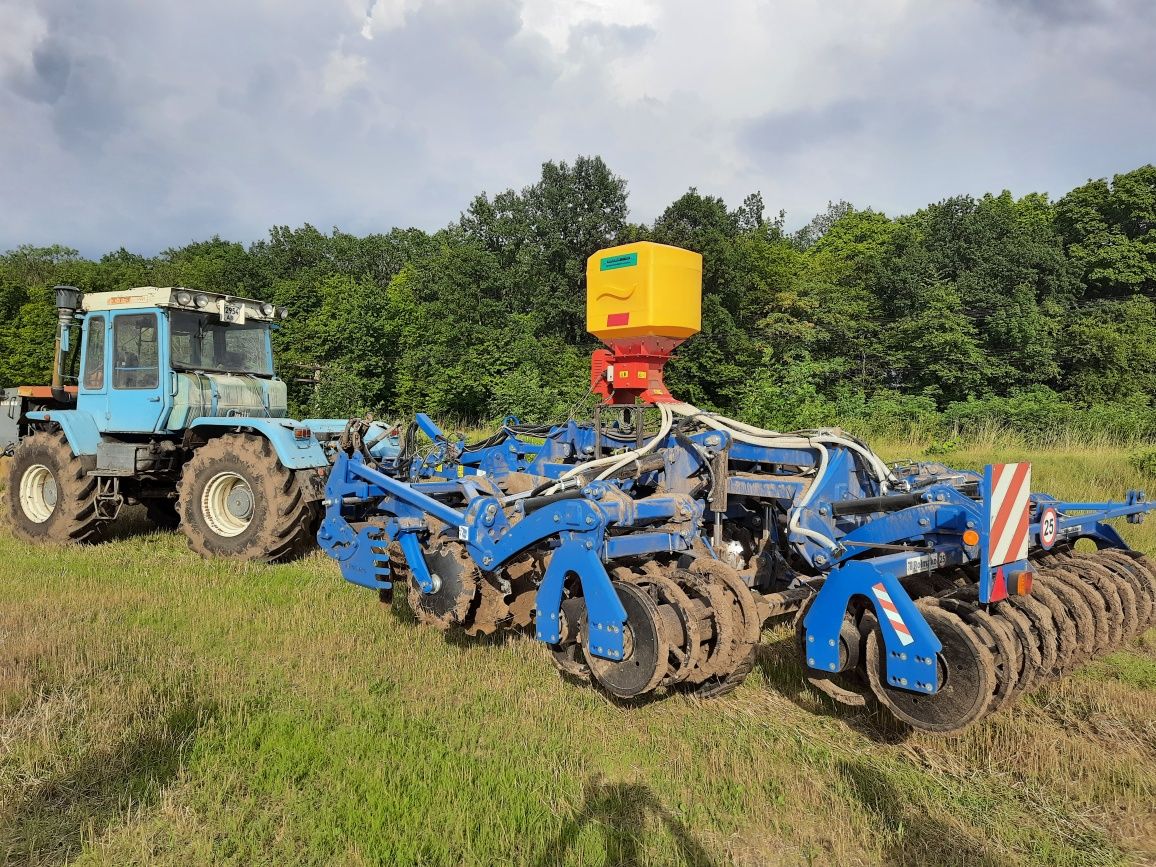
(1034, 313)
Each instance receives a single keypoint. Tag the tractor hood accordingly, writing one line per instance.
(222, 395)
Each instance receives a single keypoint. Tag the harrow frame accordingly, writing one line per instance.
(679, 500)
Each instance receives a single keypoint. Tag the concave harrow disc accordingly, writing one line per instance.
(746, 627)
(696, 630)
(1081, 606)
(684, 629)
(848, 685)
(456, 580)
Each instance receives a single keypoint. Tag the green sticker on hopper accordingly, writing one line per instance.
(626, 260)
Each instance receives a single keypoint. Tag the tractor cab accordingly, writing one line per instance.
(152, 359)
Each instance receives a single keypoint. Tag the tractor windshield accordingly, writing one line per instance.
(200, 341)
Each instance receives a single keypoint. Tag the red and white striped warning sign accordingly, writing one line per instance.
(1011, 484)
(892, 613)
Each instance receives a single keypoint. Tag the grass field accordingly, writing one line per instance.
(156, 708)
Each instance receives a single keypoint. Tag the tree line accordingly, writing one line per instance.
(1035, 313)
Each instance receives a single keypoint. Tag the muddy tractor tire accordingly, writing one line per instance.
(236, 499)
(50, 496)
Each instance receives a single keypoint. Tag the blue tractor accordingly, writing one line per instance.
(648, 546)
(167, 397)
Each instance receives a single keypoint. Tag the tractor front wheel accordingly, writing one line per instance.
(51, 497)
(236, 499)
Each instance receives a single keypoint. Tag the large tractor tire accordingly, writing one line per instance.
(236, 499)
(50, 497)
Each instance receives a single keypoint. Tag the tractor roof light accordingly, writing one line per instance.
(184, 297)
(267, 309)
(202, 300)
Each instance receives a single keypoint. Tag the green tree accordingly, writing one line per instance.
(1109, 230)
(1109, 351)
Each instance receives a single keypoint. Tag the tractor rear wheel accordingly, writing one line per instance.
(51, 497)
(236, 499)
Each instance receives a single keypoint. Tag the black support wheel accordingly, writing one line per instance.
(51, 497)
(683, 628)
(646, 652)
(998, 640)
(236, 499)
(967, 678)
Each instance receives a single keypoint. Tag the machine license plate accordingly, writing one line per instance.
(233, 312)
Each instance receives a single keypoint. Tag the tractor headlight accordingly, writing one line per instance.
(184, 298)
(283, 313)
(202, 301)
(267, 309)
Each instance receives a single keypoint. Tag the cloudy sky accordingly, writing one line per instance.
(151, 124)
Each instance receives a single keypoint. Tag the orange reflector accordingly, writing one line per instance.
(1020, 583)
(970, 538)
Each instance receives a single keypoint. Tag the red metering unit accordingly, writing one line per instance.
(642, 301)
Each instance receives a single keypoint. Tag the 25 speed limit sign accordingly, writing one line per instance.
(1049, 528)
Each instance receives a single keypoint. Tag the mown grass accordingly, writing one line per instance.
(157, 708)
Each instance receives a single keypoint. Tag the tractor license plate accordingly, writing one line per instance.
(232, 312)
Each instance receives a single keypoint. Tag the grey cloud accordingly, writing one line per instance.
(1054, 13)
(151, 125)
(779, 133)
(48, 77)
(596, 37)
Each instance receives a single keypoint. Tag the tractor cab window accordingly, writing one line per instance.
(201, 341)
(94, 354)
(134, 339)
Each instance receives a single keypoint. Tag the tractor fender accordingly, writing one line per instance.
(79, 428)
(293, 452)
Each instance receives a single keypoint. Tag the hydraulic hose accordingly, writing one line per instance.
(818, 441)
(762, 436)
(614, 463)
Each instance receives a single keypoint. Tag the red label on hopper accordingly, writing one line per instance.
(618, 319)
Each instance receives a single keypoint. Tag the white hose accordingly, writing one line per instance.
(617, 462)
(819, 441)
(624, 459)
(763, 436)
